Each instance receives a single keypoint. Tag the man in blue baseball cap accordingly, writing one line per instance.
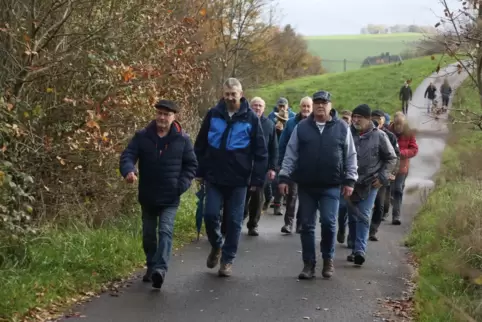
(321, 158)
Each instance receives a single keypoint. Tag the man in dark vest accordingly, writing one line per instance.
(321, 158)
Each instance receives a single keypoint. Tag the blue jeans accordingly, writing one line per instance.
(358, 228)
(234, 199)
(327, 202)
(342, 214)
(157, 220)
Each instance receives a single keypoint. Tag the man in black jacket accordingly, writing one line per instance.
(254, 198)
(405, 96)
(378, 118)
(430, 94)
(167, 166)
(233, 158)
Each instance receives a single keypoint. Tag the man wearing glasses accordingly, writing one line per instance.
(321, 158)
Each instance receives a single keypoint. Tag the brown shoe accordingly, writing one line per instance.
(225, 270)
(213, 258)
(328, 268)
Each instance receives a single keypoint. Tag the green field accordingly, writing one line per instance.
(355, 48)
(447, 232)
(377, 86)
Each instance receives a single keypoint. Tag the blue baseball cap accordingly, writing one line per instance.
(322, 96)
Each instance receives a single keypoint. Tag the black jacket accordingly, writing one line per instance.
(232, 150)
(166, 165)
(271, 139)
(431, 92)
(405, 93)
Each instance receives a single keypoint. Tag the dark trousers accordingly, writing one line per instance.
(405, 106)
(388, 197)
(445, 100)
(254, 206)
(291, 204)
(378, 210)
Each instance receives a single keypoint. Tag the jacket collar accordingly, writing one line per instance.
(243, 109)
(174, 131)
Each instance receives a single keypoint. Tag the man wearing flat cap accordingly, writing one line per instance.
(321, 159)
(167, 166)
(376, 160)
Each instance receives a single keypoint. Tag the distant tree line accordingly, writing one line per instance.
(385, 29)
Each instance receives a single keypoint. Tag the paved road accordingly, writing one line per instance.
(264, 286)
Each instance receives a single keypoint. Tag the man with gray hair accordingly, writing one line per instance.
(232, 155)
(306, 107)
(254, 198)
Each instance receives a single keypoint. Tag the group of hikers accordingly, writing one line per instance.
(347, 166)
(430, 95)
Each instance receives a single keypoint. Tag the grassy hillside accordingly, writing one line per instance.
(355, 48)
(447, 232)
(377, 86)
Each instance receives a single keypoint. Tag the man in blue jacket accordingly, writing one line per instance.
(167, 166)
(306, 107)
(321, 158)
(254, 199)
(233, 157)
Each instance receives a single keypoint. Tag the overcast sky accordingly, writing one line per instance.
(334, 17)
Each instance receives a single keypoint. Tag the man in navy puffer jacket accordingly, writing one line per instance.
(167, 166)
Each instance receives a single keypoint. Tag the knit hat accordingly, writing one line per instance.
(363, 110)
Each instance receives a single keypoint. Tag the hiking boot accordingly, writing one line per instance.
(385, 215)
(147, 276)
(351, 258)
(298, 228)
(396, 222)
(341, 236)
(277, 210)
(328, 268)
(253, 231)
(359, 259)
(373, 233)
(308, 271)
(286, 229)
(225, 270)
(213, 258)
(157, 278)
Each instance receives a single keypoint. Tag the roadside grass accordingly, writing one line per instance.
(446, 235)
(355, 48)
(59, 264)
(376, 86)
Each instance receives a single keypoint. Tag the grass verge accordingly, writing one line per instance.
(59, 264)
(377, 86)
(447, 232)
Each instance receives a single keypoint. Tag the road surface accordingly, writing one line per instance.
(264, 286)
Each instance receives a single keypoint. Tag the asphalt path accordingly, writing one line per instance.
(264, 285)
